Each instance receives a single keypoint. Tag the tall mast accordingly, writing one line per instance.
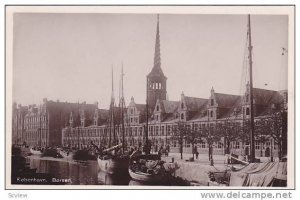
(252, 144)
(122, 110)
(112, 125)
(47, 124)
(147, 113)
(78, 119)
(40, 129)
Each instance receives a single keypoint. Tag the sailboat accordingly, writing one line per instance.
(223, 177)
(114, 159)
(146, 167)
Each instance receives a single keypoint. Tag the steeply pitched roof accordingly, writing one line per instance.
(169, 106)
(194, 103)
(60, 111)
(266, 97)
(103, 116)
(226, 100)
(141, 107)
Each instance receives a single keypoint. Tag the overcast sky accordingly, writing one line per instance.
(69, 56)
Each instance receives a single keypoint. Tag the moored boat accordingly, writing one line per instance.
(36, 151)
(113, 163)
(115, 160)
(66, 153)
(148, 168)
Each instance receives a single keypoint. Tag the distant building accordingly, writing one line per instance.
(41, 125)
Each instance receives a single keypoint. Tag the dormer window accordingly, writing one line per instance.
(131, 111)
(212, 102)
(182, 105)
(157, 108)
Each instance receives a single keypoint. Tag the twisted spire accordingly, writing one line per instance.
(157, 61)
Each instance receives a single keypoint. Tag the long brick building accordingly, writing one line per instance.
(224, 114)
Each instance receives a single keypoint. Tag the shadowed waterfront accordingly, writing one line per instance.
(83, 173)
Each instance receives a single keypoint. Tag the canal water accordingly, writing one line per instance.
(83, 173)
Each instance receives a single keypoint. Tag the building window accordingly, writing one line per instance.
(247, 111)
(131, 120)
(211, 113)
(182, 105)
(157, 108)
(182, 116)
(220, 145)
(257, 145)
(237, 145)
(212, 102)
(157, 118)
(131, 111)
(202, 145)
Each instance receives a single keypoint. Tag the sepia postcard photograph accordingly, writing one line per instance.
(109, 97)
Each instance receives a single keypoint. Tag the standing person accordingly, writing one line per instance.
(196, 152)
(160, 151)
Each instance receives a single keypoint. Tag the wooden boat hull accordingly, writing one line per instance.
(67, 155)
(35, 152)
(148, 178)
(113, 165)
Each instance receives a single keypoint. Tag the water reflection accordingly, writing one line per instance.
(115, 179)
(79, 173)
(85, 173)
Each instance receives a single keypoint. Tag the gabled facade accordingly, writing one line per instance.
(189, 107)
(221, 105)
(164, 110)
(136, 113)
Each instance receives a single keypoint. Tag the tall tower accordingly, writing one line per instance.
(157, 81)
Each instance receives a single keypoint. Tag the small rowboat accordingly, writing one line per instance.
(148, 168)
